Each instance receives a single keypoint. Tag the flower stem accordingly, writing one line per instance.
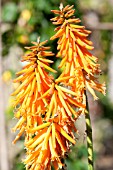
(89, 137)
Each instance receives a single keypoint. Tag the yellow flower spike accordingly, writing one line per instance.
(64, 134)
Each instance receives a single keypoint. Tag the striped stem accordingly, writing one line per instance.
(89, 137)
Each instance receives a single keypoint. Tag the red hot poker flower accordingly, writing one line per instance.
(73, 47)
(34, 81)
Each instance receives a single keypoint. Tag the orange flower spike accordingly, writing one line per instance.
(30, 71)
(34, 82)
(73, 48)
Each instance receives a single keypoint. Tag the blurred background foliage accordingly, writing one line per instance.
(23, 22)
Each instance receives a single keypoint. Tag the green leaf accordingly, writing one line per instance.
(43, 5)
(78, 165)
(10, 12)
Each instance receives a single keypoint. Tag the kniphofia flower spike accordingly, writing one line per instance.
(77, 63)
(52, 137)
(46, 110)
(34, 81)
(73, 47)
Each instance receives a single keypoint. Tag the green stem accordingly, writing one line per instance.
(89, 137)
